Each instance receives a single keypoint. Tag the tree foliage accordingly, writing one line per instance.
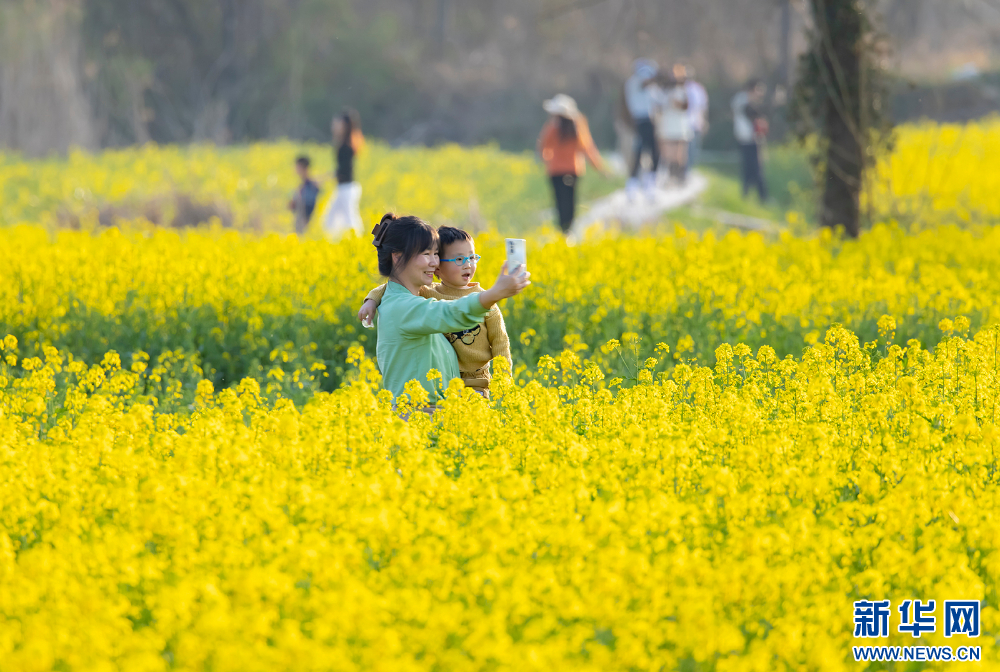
(233, 69)
(114, 72)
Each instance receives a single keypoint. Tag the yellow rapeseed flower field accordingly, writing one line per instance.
(248, 187)
(717, 518)
(940, 170)
(935, 172)
(710, 445)
(268, 307)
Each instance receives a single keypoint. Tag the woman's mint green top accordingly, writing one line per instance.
(411, 338)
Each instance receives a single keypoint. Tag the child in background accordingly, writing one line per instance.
(304, 201)
(475, 347)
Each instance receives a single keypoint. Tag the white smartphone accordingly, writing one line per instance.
(517, 254)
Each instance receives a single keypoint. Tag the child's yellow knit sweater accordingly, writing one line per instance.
(475, 347)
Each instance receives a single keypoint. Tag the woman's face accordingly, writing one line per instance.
(337, 126)
(420, 269)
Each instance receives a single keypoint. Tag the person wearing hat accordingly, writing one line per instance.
(564, 142)
(639, 100)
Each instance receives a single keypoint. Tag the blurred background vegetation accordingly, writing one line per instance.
(109, 73)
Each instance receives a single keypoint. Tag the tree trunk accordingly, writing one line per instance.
(840, 26)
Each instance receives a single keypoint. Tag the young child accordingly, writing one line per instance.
(475, 347)
(304, 201)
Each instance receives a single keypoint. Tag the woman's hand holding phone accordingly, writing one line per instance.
(506, 286)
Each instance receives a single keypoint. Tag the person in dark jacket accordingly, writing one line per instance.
(750, 128)
(303, 202)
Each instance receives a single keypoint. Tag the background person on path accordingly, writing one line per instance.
(697, 116)
(343, 211)
(411, 328)
(673, 129)
(638, 98)
(304, 200)
(563, 143)
(750, 128)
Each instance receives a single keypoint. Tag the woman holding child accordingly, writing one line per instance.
(424, 325)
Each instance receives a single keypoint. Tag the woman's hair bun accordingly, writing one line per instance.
(381, 228)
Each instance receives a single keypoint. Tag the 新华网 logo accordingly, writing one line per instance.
(916, 617)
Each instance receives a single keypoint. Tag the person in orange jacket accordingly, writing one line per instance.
(564, 142)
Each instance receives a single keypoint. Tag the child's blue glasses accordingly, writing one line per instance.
(462, 261)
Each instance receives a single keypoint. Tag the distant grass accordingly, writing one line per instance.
(724, 192)
(789, 178)
(790, 182)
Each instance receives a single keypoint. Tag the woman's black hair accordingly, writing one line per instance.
(449, 234)
(567, 129)
(352, 124)
(407, 235)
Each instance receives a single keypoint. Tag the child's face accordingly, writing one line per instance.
(302, 170)
(452, 274)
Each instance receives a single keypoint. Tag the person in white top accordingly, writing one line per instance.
(673, 127)
(697, 116)
(638, 99)
(750, 129)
